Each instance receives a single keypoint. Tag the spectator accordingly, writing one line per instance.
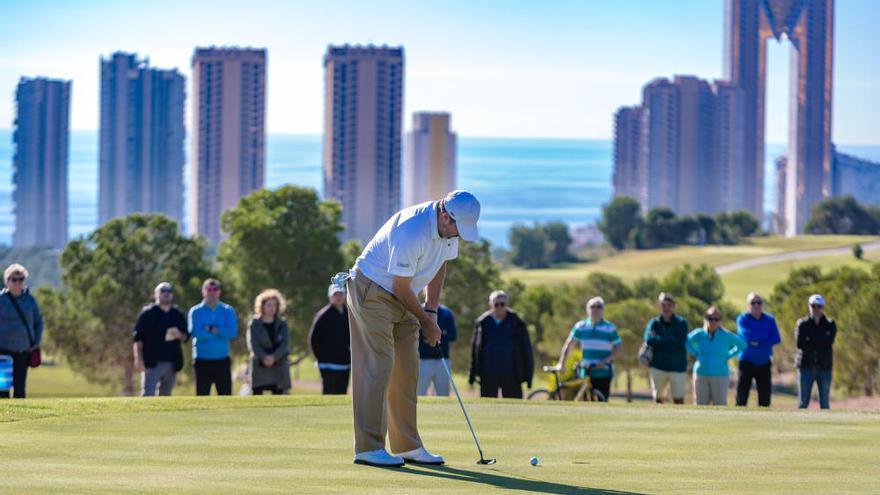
(814, 336)
(268, 341)
(666, 335)
(758, 329)
(501, 354)
(712, 346)
(212, 325)
(599, 345)
(430, 368)
(331, 343)
(158, 332)
(21, 327)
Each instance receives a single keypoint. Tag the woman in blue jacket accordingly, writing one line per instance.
(713, 346)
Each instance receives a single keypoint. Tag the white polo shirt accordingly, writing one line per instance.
(408, 245)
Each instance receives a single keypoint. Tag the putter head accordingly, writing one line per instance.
(486, 462)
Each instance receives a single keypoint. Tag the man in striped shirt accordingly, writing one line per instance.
(599, 345)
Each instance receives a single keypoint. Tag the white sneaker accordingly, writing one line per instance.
(379, 458)
(421, 456)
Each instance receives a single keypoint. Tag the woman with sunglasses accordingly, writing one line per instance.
(712, 346)
(21, 327)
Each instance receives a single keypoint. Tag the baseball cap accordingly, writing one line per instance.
(464, 208)
(333, 289)
(817, 300)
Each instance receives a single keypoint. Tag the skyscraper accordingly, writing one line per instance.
(229, 120)
(629, 174)
(730, 176)
(809, 25)
(40, 162)
(695, 167)
(141, 145)
(779, 215)
(660, 106)
(430, 158)
(363, 120)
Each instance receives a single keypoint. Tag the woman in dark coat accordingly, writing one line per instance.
(268, 340)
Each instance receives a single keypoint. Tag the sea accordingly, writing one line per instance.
(516, 179)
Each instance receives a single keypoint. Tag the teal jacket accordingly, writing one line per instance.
(713, 351)
(667, 340)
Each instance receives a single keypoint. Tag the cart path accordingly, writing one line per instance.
(793, 255)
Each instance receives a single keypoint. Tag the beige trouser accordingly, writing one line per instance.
(710, 390)
(384, 368)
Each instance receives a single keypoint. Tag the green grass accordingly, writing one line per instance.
(632, 264)
(763, 278)
(303, 445)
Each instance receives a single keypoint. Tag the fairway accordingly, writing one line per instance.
(303, 445)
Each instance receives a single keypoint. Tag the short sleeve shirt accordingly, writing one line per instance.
(597, 341)
(408, 245)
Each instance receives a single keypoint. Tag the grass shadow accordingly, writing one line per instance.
(508, 482)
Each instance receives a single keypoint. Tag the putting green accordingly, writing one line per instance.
(303, 445)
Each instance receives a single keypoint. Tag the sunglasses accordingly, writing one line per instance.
(166, 291)
(712, 318)
(213, 289)
(596, 306)
(816, 306)
(16, 279)
(757, 303)
(500, 304)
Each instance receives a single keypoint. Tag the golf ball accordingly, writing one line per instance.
(533, 461)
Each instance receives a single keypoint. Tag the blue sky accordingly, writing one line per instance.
(503, 68)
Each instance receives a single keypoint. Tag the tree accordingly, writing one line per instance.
(350, 250)
(108, 277)
(702, 283)
(630, 317)
(559, 241)
(733, 226)
(660, 228)
(841, 215)
(470, 279)
(284, 239)
(687, 230)
(620, 218)
(528, 246)
(858, 345)
(708, 228)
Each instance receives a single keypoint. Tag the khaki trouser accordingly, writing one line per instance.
(384, 368)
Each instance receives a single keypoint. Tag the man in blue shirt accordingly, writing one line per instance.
(430, 368)
(212, 325)
(760, 332)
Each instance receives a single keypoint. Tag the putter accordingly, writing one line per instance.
(482, 460)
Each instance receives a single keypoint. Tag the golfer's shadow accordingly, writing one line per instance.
(508, 482)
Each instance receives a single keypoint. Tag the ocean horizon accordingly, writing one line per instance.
(516, 179)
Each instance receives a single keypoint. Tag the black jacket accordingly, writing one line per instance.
(523, 360)
(814, 343)
(329, 337)
(150, 329)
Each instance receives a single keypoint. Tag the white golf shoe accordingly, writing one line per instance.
(421, 456)
(379, 458)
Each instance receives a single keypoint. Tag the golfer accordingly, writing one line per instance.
(406, 255)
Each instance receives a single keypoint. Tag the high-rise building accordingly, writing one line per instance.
(40, 162)
(779, 215)
(809, 26)
(430, 158)
(141, 139)
(695, 167)
(660, 112)
(629, 174)
(229, 125)
(363, 121)
(730, 175)
(855, 177)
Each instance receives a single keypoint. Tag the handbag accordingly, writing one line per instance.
(646, 354)
(36, 355)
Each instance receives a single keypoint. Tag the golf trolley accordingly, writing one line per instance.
(582, 380)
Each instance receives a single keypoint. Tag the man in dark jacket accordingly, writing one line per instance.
(667, 336)
(331, 343)
(159, 330)
(430, 368)
(501, 353)
(814, 336)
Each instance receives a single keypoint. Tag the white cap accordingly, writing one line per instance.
(464, 208)
(333, 289)
(817, 300)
